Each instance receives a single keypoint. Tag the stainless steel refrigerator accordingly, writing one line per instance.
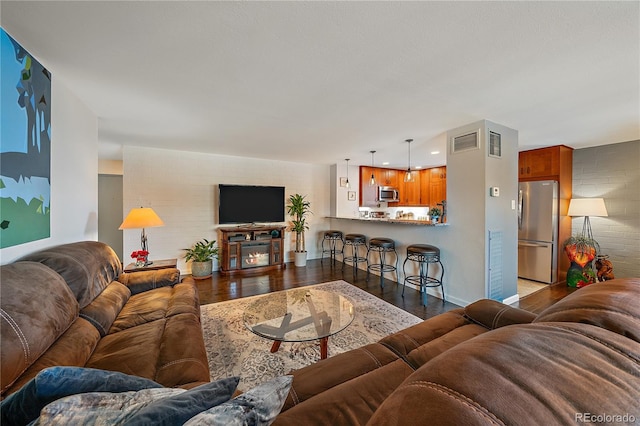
(538, 231)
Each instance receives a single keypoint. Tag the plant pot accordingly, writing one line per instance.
(434, 220)
(201, 270)
(300, 258)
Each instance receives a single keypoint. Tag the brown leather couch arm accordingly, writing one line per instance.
(492, 314)
(148, 280)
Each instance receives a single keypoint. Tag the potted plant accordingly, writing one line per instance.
(581, 251)
(298, 208)
(434, 214)
(201, 255)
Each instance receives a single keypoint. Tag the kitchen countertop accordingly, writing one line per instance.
(390, 220)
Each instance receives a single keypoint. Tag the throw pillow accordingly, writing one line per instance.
(164, 406)
(53, 383)
(258, 406)
(180, 408)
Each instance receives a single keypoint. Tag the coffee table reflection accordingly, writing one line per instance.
(299, 315)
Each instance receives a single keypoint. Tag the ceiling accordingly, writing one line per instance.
(318, 82)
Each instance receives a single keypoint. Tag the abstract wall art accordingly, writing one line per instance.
(25, 146)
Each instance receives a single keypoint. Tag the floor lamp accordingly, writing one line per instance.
(587, 207)
(143, 217)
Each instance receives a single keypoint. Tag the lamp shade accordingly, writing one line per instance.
(587, 207)
(143, 217)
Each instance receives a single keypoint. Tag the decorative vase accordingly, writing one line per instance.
(580, 276)
(300, 258)
(201, 270)
(434, 219)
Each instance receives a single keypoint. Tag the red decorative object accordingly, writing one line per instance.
(140, 256)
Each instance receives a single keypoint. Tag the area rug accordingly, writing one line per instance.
(233, 350)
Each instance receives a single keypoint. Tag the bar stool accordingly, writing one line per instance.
(425, 255)
(355, 241)
(332, 237)
(382, 246)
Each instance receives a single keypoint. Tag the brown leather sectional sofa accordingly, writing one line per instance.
(72, 305)
(576, 362)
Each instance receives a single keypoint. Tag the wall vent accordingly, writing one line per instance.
(495, 145)
(495, 265)
(465, 142)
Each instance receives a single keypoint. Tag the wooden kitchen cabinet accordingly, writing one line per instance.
(368, 193)
(437, 185)
(388, 177)
(425, 187)
(543, 163)
(410, 191)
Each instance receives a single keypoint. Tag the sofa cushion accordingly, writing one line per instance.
(37, 307)
(328, 373)
(87, 267)
(104, 309)
(140, 281)
(169, 351)
(613, 305)
(157, 304)
(73, 348)
(404, 341)
(54, 383)
(492, 314)
(425, 353)
(533, 374)
(352, 402)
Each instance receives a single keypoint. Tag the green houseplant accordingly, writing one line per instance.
(298, 208)
(434, 214)
(201, 254)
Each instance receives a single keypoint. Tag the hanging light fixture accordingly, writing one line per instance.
(408, 177)
(372, 181)
(348, 185)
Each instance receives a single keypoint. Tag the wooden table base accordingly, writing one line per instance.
(324, 347)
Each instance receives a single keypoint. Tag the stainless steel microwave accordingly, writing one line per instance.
(387, 193)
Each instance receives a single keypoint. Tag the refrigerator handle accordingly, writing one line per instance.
(520, 208)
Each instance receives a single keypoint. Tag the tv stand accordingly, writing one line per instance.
(251, 248)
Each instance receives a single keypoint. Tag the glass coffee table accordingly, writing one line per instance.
(299, 315)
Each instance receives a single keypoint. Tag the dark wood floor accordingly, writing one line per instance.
(224, 287)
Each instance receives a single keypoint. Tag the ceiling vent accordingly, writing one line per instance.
(465, 142)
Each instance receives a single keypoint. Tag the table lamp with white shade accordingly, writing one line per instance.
(143, 217)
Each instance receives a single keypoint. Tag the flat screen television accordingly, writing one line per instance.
(250, 204)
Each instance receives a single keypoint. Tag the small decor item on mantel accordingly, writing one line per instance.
(141, 257)
(434, 214)
(201, 255)
(581, 251)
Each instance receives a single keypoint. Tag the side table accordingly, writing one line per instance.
(155, 264)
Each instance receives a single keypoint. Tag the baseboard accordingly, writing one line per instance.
(512, 299)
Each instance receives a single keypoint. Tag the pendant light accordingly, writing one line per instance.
(372, 181)
(348, 185)
(408, 177)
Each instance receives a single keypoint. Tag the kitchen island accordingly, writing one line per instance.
(389, 220)
(404, 232)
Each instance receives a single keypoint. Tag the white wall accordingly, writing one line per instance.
(181, 187)
(74, 174)
(613, 173)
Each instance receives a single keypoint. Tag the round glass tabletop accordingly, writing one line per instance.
(299, 315)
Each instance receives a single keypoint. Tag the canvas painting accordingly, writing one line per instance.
(25, 146)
